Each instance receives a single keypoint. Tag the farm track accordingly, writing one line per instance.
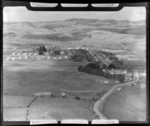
(98, 106)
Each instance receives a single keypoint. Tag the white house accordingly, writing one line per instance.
(117, 81)
(8, 58)
(77, 47)
(63, 94)
(144, 74)
(106, 82)
(13, 58)
(18, 54)
(19, 57)
(24, 54)
(65, 57)
(62, 53)
(13, 54)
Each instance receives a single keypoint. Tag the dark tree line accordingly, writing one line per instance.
(92, 68)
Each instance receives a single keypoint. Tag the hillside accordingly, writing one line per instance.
(113, 34)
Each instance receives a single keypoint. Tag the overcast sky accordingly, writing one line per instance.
(21, 14)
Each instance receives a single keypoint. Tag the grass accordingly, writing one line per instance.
(14, 114)
(33, 77)
(127, 105)
(16, 101)
(53, 108)
(29, 77)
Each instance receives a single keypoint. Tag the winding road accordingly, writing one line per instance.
(99, 104)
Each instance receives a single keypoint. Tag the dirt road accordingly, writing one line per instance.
(99, 104)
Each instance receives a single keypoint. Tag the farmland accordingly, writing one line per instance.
(24, 77)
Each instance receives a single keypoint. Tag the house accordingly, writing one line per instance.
(65, 57)
(7, 58)
(26, 57)
(18, 54)
(62, 53)
(13, 54)
(77, 47)
(63, 94)
(111, 73)
(106, 82)
(54, 58)
(59, 57)
(117, 81)
(19, 57)
(144, 74)
(24, 54)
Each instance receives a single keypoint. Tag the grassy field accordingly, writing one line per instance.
(21, 78)
(25, 78)
(45, 108)
(30, 77)
(129, 104)
(59, 109)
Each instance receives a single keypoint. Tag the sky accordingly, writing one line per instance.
(22, 14)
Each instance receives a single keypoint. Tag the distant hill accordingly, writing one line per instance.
(116, 34)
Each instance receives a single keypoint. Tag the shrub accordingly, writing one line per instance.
(77, 98)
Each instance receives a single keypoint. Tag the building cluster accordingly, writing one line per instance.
(50, 94)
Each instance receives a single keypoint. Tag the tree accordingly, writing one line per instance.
(44, 49)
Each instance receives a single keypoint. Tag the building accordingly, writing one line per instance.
(62, 53)
(65, 57)
(63, 94)
(8, 58)
(13, 54)
(59, 57)
(106, 82)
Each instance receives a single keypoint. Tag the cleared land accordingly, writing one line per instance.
(54, 76)
(22, 79)
(129, 104)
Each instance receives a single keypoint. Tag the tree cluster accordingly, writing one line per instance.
(42, 50)
(92, 68)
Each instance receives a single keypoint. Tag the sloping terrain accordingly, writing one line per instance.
(30, 77)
